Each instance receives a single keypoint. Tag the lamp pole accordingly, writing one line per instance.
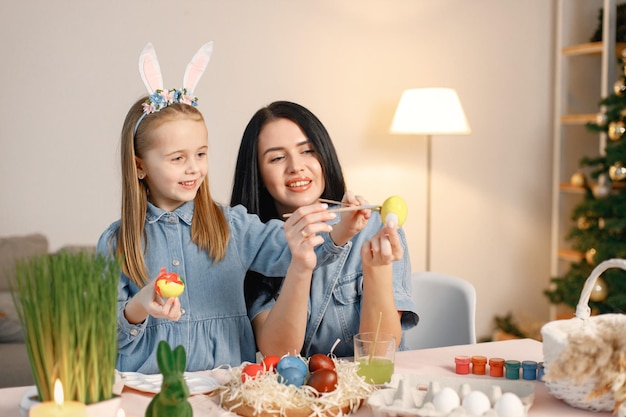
(428, 197)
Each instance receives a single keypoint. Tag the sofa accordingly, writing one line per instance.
(15, 367)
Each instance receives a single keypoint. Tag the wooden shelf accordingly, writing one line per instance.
(567, 187)
(570, 255)
(570, 188)
(578, 119)
(591, 48)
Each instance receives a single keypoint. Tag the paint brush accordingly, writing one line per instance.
(342, 209)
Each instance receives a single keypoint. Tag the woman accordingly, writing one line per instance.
(287, 160)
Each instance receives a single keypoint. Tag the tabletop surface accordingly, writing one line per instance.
(438, 361)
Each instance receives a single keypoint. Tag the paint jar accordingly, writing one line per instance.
(462, 364)
(529, 370)
(496, 367)
(540, 371)
(512, 369)
(478, 365)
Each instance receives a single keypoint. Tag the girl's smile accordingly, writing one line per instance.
(189, 184)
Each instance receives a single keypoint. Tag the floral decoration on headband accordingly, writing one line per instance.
(159, 97)
(163, 98)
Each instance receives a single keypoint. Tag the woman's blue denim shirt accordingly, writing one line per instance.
(214, 329)
(334, 307)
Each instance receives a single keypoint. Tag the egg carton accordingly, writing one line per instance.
(410, 395)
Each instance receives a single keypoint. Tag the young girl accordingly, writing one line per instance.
(286, 161)
(169, 220)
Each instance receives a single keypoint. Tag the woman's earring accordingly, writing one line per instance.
(142, 176)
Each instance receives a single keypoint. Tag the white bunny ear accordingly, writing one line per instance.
(149, 69)
(196, 67)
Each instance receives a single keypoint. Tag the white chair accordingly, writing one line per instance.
(446, 306)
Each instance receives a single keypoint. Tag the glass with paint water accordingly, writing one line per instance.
(375, 360)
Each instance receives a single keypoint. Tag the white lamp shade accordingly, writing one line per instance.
(430, 111)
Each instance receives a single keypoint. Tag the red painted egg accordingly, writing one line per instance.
(320, 361)
(323, 380)
(270, 362)
(169, 284)
(250, 371)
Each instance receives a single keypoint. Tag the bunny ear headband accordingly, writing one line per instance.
(159, 98)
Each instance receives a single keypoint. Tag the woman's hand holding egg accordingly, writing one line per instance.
(394, 208)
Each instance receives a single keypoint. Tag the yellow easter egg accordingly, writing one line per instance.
(169, 289)
(394, 205)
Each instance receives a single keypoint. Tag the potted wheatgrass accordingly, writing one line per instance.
(66, 304)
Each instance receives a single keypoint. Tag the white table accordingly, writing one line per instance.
(439, 361)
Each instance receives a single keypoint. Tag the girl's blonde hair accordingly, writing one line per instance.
(209, 228)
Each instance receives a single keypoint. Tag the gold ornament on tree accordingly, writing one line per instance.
(582, 223)
(616, 130)
(601, 119)
(578, 179)
(617, 171)
(590, 256)
(619, 88)
(599, 291)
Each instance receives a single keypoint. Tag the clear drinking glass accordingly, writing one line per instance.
(375, 358)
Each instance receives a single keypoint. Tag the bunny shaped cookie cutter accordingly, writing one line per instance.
(158, 97)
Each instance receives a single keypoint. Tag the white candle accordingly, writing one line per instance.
(122, 413)
(58, 407)
(52, 409)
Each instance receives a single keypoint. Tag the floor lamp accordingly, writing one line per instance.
(429, 111)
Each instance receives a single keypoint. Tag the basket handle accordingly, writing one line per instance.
(582, 309)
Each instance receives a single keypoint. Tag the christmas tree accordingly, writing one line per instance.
(599, 230)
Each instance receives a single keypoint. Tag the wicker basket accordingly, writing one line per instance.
(580, 354)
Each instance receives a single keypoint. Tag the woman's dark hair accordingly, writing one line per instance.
(248, 187)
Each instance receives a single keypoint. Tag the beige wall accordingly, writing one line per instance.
(69, 73)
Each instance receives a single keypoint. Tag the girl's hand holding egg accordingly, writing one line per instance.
(158, 298)
(169, 284)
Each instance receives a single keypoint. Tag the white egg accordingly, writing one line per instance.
(509, 405)
(446, 400)
(476, 403)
